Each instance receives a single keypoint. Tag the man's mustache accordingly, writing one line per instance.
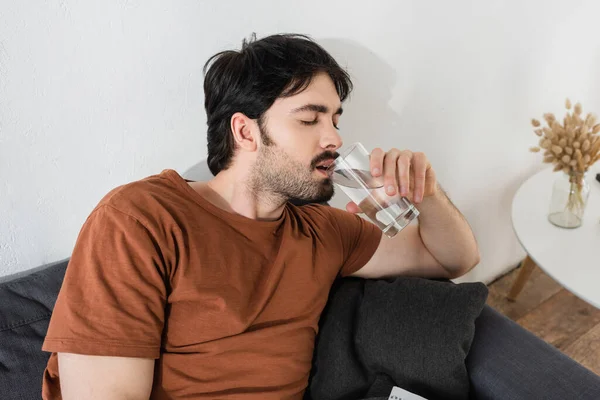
(328, 155)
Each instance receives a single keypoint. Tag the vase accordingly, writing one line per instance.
(569, 198)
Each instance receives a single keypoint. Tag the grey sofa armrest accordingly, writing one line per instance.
(26, 303)
(510, 363)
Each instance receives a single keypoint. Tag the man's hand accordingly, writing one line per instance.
(441, 245)
(404, 172)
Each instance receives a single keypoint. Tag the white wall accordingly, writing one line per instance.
(97, 94)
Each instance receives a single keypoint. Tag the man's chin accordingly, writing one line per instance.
(325, 194)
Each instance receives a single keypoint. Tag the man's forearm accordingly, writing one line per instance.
(447, 234)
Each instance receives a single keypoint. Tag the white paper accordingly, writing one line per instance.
(401, 394)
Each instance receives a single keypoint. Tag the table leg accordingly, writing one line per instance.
(527, 267)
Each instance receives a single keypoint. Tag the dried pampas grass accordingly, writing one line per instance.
(574, 145)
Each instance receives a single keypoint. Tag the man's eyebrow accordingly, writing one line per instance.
(320, 108)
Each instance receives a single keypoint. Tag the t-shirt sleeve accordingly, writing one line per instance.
(113, 297)
(360, 239)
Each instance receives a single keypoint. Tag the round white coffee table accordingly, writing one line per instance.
(569, 256)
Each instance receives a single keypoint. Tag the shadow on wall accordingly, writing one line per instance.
(368, 118)
(198, 172)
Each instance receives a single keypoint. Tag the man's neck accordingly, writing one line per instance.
(232, 191)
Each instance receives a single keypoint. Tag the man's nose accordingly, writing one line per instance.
(331, 140)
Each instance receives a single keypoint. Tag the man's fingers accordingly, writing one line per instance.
(404, 172)
(366, 207)
(353, 208)
(376, 161)
(419, 164)
(390, 179)
(404, 165)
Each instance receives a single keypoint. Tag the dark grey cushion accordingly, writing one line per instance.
(25, 309)
(410, 332)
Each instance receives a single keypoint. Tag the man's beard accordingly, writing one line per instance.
(279, 176)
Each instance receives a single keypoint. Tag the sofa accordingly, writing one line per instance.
(505, 361)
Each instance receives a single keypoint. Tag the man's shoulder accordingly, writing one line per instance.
(309, 209)
(319, 213)
(143, 196)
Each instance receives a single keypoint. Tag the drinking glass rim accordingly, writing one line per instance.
(342, 157)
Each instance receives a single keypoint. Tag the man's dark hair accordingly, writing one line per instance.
(250, 80)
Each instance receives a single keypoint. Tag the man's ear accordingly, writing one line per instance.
(244, 132)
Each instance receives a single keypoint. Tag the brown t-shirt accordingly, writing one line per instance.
(228, 306)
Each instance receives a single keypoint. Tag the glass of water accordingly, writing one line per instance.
(351, 171)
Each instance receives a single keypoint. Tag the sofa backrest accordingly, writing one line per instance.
(26, 304)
